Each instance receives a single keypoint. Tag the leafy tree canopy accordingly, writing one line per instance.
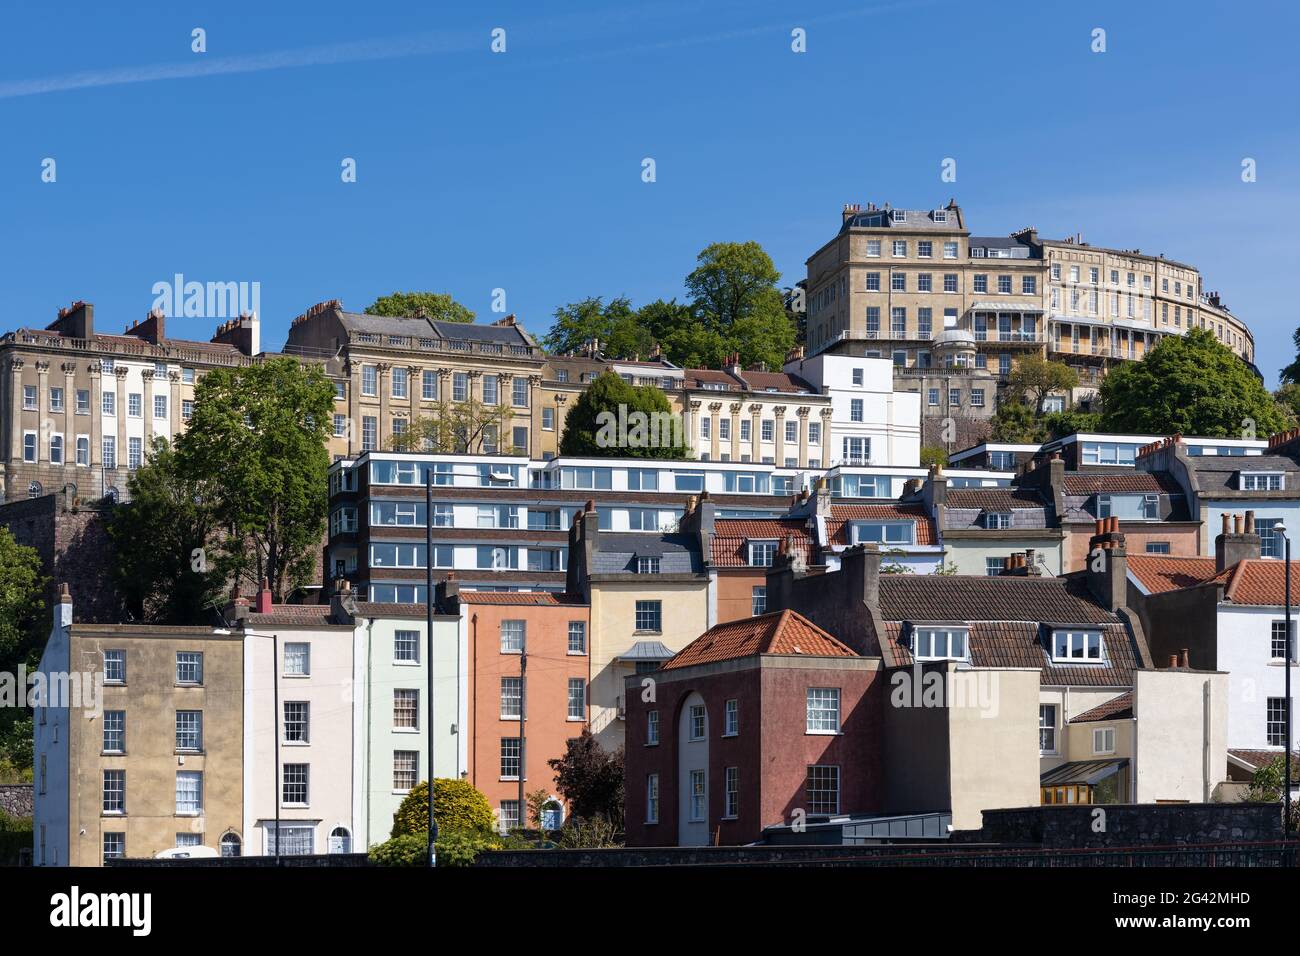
(458, 806)
(1035, 377)
(262, 430)
(23, 626)
(432, 305)
(612, 419)
(1192, 385)
(161, 540)
(590, 779)
(734, 306)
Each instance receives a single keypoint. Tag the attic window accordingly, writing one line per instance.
(1261, 481)
(941, 215)
(647, 565)
(1076, 647)
(899, 215)
(997, 520)
(761, 553)
(883, 532)
(941, 644)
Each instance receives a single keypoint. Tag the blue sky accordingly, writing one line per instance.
(522, 170)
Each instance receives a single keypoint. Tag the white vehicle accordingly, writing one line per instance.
(186, 853)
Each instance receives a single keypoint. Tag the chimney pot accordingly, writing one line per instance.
(1226, 519)
(1236, 524)
(1173, 660)
(1186, 658)
(1250, 522)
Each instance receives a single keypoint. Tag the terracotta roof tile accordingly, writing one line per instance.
(1117, 708)
(1260, 582)
(312, 615)
(1157, 573)
(730, 536)
(837, 524)
(540, 598)
(1262, 758)
(780, 632)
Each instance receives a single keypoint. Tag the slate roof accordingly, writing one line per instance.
(1009, 620)
(293, 615)
(918, 220)
(780, 632)
(731, 536)
(1025, 644)
(837, 524)
(1117, 708)
(618, 551)
(937, 597)
(1216, 475)
(418, 326)
(994, 499)
(1121, 482)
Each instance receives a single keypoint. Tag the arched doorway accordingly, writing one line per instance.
(231, 845)
(693, 773)
(340, 840)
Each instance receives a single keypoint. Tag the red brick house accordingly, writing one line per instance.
(757, 721)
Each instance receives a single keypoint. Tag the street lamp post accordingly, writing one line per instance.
(1290, 658)
(428, 607)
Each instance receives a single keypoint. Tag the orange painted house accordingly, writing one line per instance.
(743, 549)
(529, 654)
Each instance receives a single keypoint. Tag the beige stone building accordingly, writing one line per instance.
(81, 406)
(954, 311)
(147, 754)
(746, 415)
(390, 371)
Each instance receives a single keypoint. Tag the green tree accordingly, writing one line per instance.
(932, 455)
(23, 623)
(23, 629)
(1014, 422)
(1191, 385)
(590, 779)
(161, 540)
(1035, 377)
(1288, 397)
(468, 427)
(432, 305)
(262, 430)
(458, 806)
(614, 325)
(653, 430)
(734, 293)
(1291, 374)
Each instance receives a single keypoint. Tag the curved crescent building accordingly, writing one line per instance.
(892, 281)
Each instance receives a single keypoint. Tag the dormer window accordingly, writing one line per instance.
(1261, 480)
(941, 215)
(997, 520)
(647, 565)
(882, 532)
(1129, 507)
(940, 644)
(1077, 647)
(898, 215)
(761, 553)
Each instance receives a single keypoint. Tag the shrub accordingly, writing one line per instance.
(457, 805)
(588, 834)
(409, 849)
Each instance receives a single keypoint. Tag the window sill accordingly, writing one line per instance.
(823, 733)
(406, 730)
(295, 676)
(575, 720)
(112, 813)
(295, 743)
(406, 663)
(576, 654)
(188, 684)
(179, 752)
(189, 813)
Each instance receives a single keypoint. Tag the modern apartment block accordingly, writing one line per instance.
(139, 748)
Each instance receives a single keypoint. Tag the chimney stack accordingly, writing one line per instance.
(264, 598)
(1239, 544)
(1107, 565)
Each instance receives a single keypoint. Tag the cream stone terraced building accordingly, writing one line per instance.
(392, 371)
(953, 311)
(80, 406)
